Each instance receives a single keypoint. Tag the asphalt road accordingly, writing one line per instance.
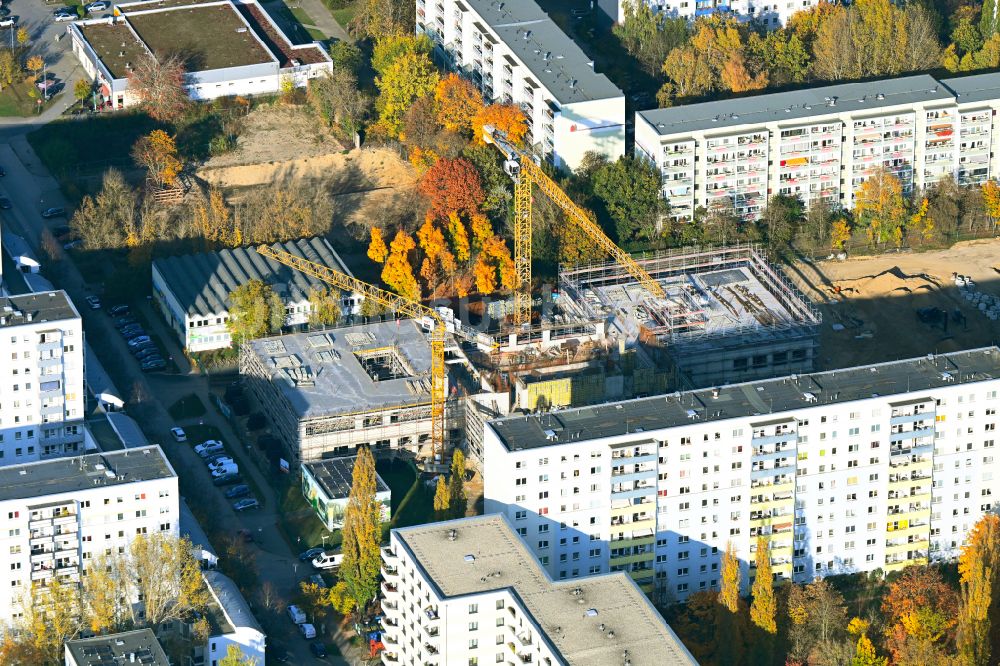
(30, 189)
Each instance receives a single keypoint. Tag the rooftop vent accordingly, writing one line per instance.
(591, 612)
(452, 535)
(880, 96)
(241, 30)
(809, 397)
(470, 559)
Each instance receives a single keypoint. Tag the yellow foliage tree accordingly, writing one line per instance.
(458, 102)
(459, 237)
(485, 275)
(377, 251)
(482, 231)
(763, 608)
(404, 75)
(979, 566)
(991, 197)
(157, 152)
(879, 203)
(397, 272)
(507, 118)
(840, 233)
(729, 592)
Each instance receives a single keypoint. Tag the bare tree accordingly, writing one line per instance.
(160, 86)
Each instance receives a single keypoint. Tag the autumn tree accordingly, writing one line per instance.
(763, 609)
(880, 206)
(482, 231)
(362, 533)
(459, 237)
(10, 68)
(319, 600)
(452, 186)
(920, 610)
(729, 634)
(102, 221)
(458, 102)
(442, 502)
(157, 153)
(255, 310)
(82, 90)
(47, 616)
(991, 200)
(508, 119)
(979, 570)
(235, 657)
(397, 272)
(864, 650)
(405, 73)
(377, 251)
(338, 100)
(457, 500)
(159, 84)
(494, 267)
(324, 305)
(381, 18)
(840, 233)
(214, 220)
(649, 35)
(818, 618)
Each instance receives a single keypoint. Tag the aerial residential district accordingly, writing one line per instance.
(468, 332)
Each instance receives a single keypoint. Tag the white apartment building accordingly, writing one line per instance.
(516, 54)
(55, 515)
(873, 467)
(770, 14)
(821, 143)
(41, 378)
(469, 592)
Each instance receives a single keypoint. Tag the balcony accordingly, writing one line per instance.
(432, 632)
(432, 613)
(389, 588)
(389, 658)
(430, 648)
(390, 572)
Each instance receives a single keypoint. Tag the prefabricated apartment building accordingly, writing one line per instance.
(232, 48)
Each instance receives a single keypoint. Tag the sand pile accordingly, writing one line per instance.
(891, 282)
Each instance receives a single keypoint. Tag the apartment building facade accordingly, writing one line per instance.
(469, 592)
(41, 378)
(875, 467)
(768, 14)
(56, 515)
(821, 143)
(516, 54)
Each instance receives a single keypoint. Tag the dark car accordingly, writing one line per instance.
(132, 330)
(122, 322)
(307, 556)
(143, 346)
(49, 213)
(5, 203)
(153, 366)
(227, 479)
(236, 492)
(147, 353)
(118, 310)
(318, 650)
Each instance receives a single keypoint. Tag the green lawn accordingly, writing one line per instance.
(188, 407)
(344, 16)
(14, 100)
(412, 502)
(301, 15)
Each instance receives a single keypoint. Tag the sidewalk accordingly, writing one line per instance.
(321, 16)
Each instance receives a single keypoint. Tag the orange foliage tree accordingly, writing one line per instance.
(920, 610)
(377, 251)
(458, 102)
(494, 261)
(397, 272)
(437, 254)
(979, 568)
(507, 118)
(157, 151)
(452, 185)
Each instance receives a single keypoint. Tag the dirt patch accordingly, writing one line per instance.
(278, 133)
(902, 305)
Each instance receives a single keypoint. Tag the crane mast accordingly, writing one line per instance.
(525, 173)
(393, 302)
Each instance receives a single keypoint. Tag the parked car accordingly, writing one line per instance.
(310, 554)
(296, 614)
(49, 213)
(329, 560)
(94, 302)
(132, 330)
(225, 457)
(246, 504)
(122, 322)
(148, 354)
(98, 6)
(308, 631)
(318, 650)
(64, 16)
(154, 365)
(5, 203)
(141, 347)
(135, 340)
(317, 580)
(236, 492)
(207, 448)
(226, 467)
(227, 480)
(118, 310)
(7, 23)
(178, 434)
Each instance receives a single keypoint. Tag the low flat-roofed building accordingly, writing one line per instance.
(232, 621)
(192, 290)
(443, 578)
(327, 392)
(326, 485)
(231, 47)
(121, 649)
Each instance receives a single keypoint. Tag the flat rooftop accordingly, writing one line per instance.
(208, 36)
(759, 398)
(118, 649)
(322, 373)
(974, 88)
(797, 104)
(554, 59)
(114, 43)
(589, 621)
(230, 611)
(335, 476)
(69, 475)
(36, 308)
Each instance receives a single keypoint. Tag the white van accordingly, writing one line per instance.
(296, 614)
(328, 560)
(308, 631)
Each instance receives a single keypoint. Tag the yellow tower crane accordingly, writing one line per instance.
(395, 303)
(522, 169)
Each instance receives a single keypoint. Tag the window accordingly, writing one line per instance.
(473, 626)
(473, 609)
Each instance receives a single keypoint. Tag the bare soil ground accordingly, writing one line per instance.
(281, 145)
(870, 304)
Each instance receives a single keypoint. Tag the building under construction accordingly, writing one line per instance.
(729, 315)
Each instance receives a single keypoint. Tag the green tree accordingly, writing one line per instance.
(324, 306)
(362, 533)
(404, 73)
(457, 501)
(780, 221)
(442, 502)
(82, 89)
(346, 56)
(254, 311)
(988, 21)
(649, 36)
(763, 609)
(630, 190)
